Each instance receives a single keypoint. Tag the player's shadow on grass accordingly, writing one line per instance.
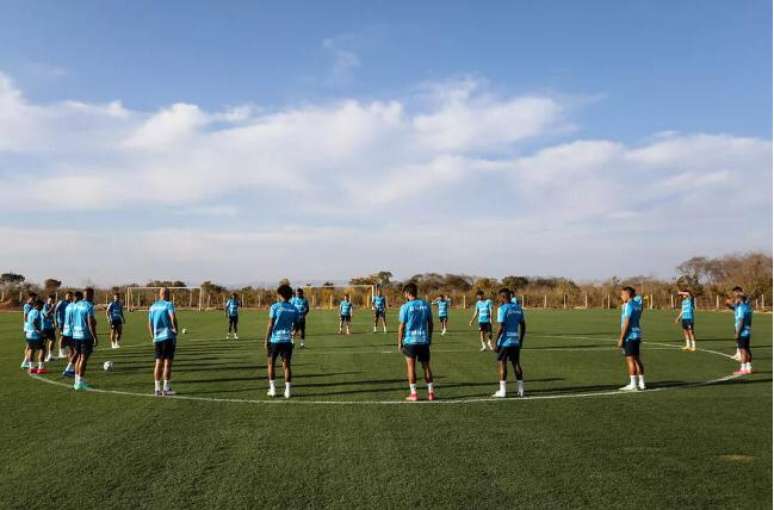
(564, 347)
(259, 377)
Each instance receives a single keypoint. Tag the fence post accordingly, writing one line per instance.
(330, 303)
(545, 301)
(464, 302)
(717, 301)
(651, 302)
(523, 300)
(586, 300)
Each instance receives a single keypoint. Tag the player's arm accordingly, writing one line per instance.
(401, 334)
(269, 327)
(150, 327)
(475, 314)
(430, 327)
(92, 324)
(107, 311)
(123, 319)
(173, 318)
(500, 331)
(522, 331)
(679, 316)
(624, 330)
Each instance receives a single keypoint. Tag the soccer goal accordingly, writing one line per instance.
(329, 297)
(141, 298)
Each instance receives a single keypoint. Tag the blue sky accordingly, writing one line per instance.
(545, 128)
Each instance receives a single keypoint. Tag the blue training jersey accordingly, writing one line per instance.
(27, 308)
(67, 325)
(284, 316)
(443, 307)
(59, 312)
(484, 308)
(687, 308)
(160, 318)
(379, 303)
(743, 318)
(510, 316)
(83, 312)
(115, 310)
(345, 307)
(34, 324)
(301, 304)
(48, 317)
(232, 307)
(415, 315)
(632, 310)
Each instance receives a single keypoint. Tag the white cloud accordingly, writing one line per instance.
(345, 60)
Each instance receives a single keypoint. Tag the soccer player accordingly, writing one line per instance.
(379, 306)
(483, 310)
(742, 325)
(115, 316)
(302, 305)
(67, 335)
(511, 332)
(84, 329)
(630, 338)
(28, 306)
(48, 331)
(232, 313)
(34, 338)
(162, 326)
(59, 321)
(442, 302)
(415, 334)
(346, 311)
(283, 320)
(687, 308)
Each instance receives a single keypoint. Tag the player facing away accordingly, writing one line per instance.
(232, 314)
(346, 311)
(302, 305)
(59, 321)
(162, 326)
(48, 331)
(84, 329)
(512, 328)
(67, 335)
(283, 320)
(116, 319)
(630, 338)
(442, 302)
(483, 310)
(379, 306)
(687, 311)
(35, 343)
(28, 306)
(415, 334)
(742, 327)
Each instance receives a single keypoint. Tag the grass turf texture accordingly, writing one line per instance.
(682, 446)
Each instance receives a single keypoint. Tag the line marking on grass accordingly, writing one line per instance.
(452, 401)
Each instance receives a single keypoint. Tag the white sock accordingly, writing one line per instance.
(748, 366)
(69, 366)
(429, 387)
(40, 364)
(157, 385)
(483, 344)
(633, 380)
(413, 388)
(166, 385)
(641, 380)
(271, 384)
(77, 379)
(287, 386)
(520, 384)
(502, 386)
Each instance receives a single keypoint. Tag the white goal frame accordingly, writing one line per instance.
(129, 297)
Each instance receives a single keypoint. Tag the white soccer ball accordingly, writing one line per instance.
(108, 366)
(185, 331)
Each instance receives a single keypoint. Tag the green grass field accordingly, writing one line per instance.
(347, 439)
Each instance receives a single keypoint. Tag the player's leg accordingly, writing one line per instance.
(236, 327)
(27, 361)
(341, 323)
(482, 335)
(60, 343)
(302, 330)
(376, 320)
(384, 321)
(84, 348)
(425, 360)
(167, 375)
(516, 361)
(693, 337)
(49, 343)
(158, 372)
(686, 336)
(72, 357)
(489, 336)
(119, 332)
(631, 369)
(349, 325)
(411, 373)
(640, 369)
(43, 356)
(287, 355)
(502, 373)
(271, 358)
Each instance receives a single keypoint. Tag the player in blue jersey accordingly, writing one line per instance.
(84, 329)
(415, 334)
(28, 306)
(283, 320)
(346, 311)
(302, 305)
(162, 326)
(443, 303)
(510, 335)
(483, 310)
(116, 319)
(232, 314)
(33, 335)
(630, 338)
(743, 313)
(379, 306)
(48, 331)
(686, 315)
(59, 321)
(67, 335)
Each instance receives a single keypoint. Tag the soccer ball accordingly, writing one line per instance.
(108, 366)
(185, 331)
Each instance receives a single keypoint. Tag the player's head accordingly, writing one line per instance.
(88, 294)
(627, 293)
(78, 295)
(378, 290)
(32, 297)
(688, 293)
(69, 295)
(346, 297)
(116, 296)
(410, 290)
(164, 293)
(738, 293)
(51, 298)
(38, 304)
(300, 292)
(233, 295)
(505, 295)
(479, 295)
(285, 291)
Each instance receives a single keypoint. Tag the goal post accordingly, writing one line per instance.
(141, 298)
(328, 297)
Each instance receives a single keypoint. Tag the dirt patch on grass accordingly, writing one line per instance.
(737, 457)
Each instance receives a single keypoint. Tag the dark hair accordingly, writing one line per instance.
(480, 292)
(411, 289)
(737, 289)
(52, 296)
(88, 290)
(32, 294)
(285, 291)
(506, 292)
(68, 293)
(78, 295)
(116, 294)
(38, 302)
(630, 290)
(300, 290)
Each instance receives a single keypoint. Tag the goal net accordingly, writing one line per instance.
(329, 297)
(141, 298)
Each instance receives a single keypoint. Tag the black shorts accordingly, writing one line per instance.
(282, 349)
(34, 344)
(49, 334)
(743, 342)
(346, 318)
(511, 353)
(631, 348)
(688, 324)
(419, 352)
(116, 324)
(443, 318)
(485, 327)
(67, 341)
(379, 314)
(233, 320)
(84, 346)
(165, 349)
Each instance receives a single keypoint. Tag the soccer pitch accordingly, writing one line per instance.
(347, 439)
